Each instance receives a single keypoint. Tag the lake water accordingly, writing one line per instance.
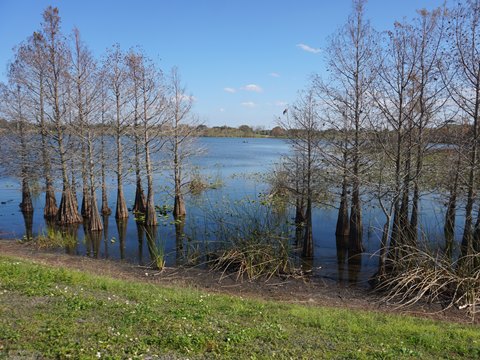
(240, 165)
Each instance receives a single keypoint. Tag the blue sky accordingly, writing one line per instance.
(243, 61)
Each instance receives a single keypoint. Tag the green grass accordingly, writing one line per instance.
(61, 313)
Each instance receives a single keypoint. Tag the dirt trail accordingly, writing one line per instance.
(314, 292)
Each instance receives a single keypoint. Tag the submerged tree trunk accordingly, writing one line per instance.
(121, 210)
(50, 209)
(449, 227)
(68, 210)
(85, 207)
(26, 205)
(343, 222)
(356, 227)
(94, 216)
(105, 208)
(404, 224)
(299, 218)
(179, 210)
(150, 214)
(308, 236)
(140, 205)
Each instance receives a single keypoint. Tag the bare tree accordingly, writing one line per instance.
(87, 106)
(183, 127)
(134, 64)
(30, 74)
(56, 81)
(303, 126)
(152, 107)
(117, 85)
(104, 111)
(352, 66)
(13, 105)
(464, 89)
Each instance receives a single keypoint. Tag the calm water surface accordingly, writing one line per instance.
(240, 165)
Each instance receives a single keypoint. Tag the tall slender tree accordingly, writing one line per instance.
(117, 85)
(56, 80)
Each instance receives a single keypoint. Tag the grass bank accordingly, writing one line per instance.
(59, 313)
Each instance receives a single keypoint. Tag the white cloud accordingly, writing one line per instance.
(221, 110)
(281, 103)
(274, 74)
(308, 48)
(229, 90)
(248, 104)
(252, 87)
(186, 98)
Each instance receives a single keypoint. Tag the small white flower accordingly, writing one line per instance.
(98, 355)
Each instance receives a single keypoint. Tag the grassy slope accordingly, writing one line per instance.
(60, 313)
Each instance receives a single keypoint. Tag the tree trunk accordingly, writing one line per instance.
(449, 227)
(140, 205)
(383, 249)
(26, 205)
(94, 215)
(356, 230)
(85, 208)
(105, 208)
(150, 214)
(343, 225)
(74, 186)
(50, 209)
(308, 236)
(68, 212)
(467, 240)
(121, 210)
(179, 210)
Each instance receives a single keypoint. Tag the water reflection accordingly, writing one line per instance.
(342, 254)
(354, 266)
(105, 235)
(92, 240)
(70, 233)
(179, 243)
(349, 261)
(122, 234)
(140, 237)
(28, 219)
